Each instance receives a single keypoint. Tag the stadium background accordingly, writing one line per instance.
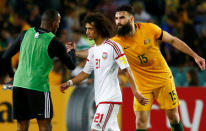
(185, 19)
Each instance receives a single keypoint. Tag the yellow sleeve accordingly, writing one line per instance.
(158, 33)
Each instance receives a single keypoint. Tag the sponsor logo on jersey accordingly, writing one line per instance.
(126, 47)
(104, 55)
(123, 60)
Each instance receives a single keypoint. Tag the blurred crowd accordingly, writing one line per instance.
(185, 19)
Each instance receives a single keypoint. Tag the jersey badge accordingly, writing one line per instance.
(98, 125)
(146, 41)
(104, 55)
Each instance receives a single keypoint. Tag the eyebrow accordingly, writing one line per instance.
(120, 17)
(89, 27)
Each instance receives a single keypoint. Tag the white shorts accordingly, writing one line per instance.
(105, 118)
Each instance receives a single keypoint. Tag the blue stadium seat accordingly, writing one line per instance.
(179, 76)
(202, 78)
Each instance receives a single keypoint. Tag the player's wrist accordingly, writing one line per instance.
(70, 82)
(194, 55)
(137, 94)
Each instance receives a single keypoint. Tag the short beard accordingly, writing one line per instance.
(124, 30)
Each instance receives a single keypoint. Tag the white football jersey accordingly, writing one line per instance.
(105, 60)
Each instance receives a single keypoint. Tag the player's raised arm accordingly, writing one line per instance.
(82, 53)
(182, 46)
(142, 100)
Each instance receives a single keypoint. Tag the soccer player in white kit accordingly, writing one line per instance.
(105, 58)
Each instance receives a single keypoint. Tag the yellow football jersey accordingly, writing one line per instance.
(143, 54)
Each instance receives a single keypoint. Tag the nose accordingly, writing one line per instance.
(118, 21)
(87, 32)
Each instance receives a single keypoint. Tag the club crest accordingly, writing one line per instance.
(146, 41)
(104, 55)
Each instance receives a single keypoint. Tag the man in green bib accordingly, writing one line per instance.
(38, 47)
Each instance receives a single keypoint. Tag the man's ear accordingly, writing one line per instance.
(53, 23)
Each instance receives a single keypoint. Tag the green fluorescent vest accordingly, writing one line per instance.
(34, 61)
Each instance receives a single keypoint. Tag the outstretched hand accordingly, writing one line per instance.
(141, 99)
(70, 46)
(200, 62)
(64, 86)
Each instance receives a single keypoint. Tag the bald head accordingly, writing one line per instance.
(50, 16)
(50, 20)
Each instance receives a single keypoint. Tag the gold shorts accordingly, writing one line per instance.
(165, 96)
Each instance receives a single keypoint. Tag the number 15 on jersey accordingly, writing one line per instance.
(143, 59)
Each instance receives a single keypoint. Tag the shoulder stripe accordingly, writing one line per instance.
(114, 43)
(119, 56)
(115, 46)
(115, 49)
